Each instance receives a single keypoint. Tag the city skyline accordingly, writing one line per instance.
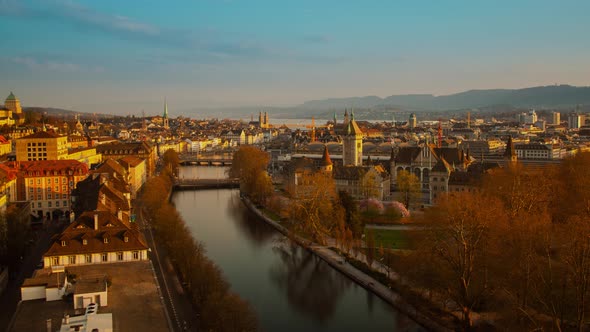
(120, 58)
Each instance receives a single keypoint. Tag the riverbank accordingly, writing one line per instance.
(338, 262)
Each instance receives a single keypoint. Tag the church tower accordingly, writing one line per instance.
(352, 143)
(165, 116)
(510, 153)
(326, 163)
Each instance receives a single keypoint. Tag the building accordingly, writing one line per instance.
(352, 143)
(574, 120)
(556, 118)
(11, 113)
(137, 173)
(97, 237)
(539, 151)
(363, 182)
(120, 150)
(89, 321)
(5, 146)
(528, 118)
(412, 121)
(47, 185)
(42, 145)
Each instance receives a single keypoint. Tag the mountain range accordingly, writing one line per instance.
(554, 96)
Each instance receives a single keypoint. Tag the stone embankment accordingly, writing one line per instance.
(339, 263)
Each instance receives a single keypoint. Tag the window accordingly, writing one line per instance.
(126, 239)
(84, 242)
(119, 256)
(65, 203)
(64, 188)
(48, 204)
(48, 196)
(63, 243)
(56, 188)
(39, 197)
(55, 260)
(48, 189)
(31, 182)
(136, 255)
(105, 257)
(39, 189)
(88, 258)
(39, 205)
(64, 196)
(105, 240)
(38, 180)
(56, 203)
(31, 190)
(48, 181)
(72, 259)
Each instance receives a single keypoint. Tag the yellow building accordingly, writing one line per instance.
(87, 156)
(5, 146)
(42, 145)
(12, 112)
(47, 184)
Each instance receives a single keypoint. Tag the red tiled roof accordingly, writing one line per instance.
(108, 227)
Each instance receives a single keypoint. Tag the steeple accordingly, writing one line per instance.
(166, 123)
(510, 152)
(326, 163)
(334, 118)
(165, 109)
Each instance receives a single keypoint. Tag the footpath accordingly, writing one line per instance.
(338, 262)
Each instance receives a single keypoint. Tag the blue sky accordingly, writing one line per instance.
(124, 56)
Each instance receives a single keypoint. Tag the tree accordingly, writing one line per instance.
(263, 188)
(249, 165)
(351, 213)
(314, 206)
(408, 185)
(370, 244)
(370, 184)
(171, 161)
(457, 249)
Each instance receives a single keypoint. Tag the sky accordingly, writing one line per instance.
(123, 57)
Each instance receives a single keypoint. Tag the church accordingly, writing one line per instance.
(11, 113)
(360, 181)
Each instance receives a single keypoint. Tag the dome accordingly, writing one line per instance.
(11, 97)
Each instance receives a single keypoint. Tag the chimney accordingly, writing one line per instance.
(120, 214)
(96, 221)
(67, 319)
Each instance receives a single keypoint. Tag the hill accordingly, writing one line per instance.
(554, 96)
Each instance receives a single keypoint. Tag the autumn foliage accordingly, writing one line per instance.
(517, 250)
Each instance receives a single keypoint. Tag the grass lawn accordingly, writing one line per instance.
(392, 239)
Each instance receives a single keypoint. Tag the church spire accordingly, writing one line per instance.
(165, 108)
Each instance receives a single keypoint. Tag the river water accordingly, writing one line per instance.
(289, 288)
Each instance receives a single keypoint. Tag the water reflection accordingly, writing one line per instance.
(312, 287)
(257, 232)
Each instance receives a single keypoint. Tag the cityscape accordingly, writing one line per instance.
(327, 166)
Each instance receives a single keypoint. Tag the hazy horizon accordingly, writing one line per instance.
(122, 58)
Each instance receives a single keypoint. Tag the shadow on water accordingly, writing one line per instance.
(311, 286)
(257, 232)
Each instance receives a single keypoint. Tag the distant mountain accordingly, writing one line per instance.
(554, 96)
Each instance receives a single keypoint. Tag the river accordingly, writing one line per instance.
(289, 288)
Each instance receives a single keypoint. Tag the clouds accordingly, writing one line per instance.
(54, 66)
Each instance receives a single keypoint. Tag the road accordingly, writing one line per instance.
(179, 310)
